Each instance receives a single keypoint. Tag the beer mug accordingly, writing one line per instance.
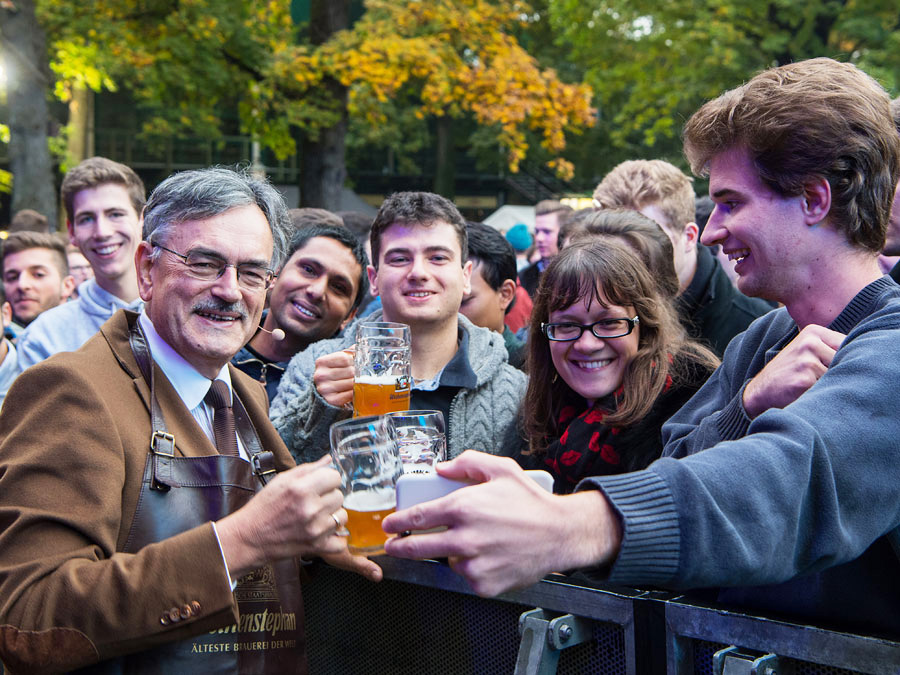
(367, 459)
(420, 438)
(382, 379)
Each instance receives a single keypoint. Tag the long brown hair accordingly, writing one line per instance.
(585, 270)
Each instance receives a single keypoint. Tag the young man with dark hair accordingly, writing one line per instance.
(316, 293)
(493, 286)
(103, 201)
(307, 216)
(778, 481)
(35, 274)
(548, 215)
(419, 268)
(711, 308)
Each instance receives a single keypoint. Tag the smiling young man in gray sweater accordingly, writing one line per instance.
(421, 272)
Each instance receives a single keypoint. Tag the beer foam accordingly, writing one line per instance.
(378, 380)
(371, 500)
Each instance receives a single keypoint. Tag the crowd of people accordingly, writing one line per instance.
(708, 381)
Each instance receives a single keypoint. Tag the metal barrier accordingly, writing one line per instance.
(423, 619)
(709, 640)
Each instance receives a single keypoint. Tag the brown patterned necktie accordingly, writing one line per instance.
(223, 419)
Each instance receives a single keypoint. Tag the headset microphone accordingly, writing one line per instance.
(276, 334)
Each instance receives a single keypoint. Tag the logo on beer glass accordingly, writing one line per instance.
(382, 377)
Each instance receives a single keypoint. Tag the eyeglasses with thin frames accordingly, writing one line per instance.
(605, 329)
(206, 267)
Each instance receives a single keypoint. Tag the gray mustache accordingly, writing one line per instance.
(229, 307)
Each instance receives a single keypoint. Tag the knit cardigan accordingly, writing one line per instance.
(480, 418)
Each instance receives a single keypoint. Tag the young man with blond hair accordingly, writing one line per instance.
(103, 201)
(710, 307)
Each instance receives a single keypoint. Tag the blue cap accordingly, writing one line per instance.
(519, 236)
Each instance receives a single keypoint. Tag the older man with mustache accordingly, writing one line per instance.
(151, 516)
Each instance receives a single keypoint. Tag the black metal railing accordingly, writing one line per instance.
(423, 619)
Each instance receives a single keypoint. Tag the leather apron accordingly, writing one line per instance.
(180, 493)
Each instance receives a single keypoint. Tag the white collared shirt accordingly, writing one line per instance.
(189, 384)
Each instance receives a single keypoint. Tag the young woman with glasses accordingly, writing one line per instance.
(608, 363)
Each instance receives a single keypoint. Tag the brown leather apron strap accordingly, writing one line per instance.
(162, 443)
(262, 461)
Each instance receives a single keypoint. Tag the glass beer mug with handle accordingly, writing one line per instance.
(366, 457)
(421, 439)
(382, 376)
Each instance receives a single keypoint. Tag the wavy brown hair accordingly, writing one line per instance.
(805, 121)
(586, 270)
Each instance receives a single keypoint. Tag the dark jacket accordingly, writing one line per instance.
(530, 277)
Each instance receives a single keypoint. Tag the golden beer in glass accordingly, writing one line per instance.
(381, 366)
(376, 395)
(367, 459)
(365, 511)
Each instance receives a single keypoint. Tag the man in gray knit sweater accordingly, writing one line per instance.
(419, 269)
(778, 478)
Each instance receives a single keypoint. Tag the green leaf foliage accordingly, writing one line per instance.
(651, 64)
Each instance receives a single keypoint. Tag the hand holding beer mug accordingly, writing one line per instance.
(420, 438)
(382, 376)
(367, 459)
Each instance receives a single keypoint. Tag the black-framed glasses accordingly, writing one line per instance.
(206, 267)
(604, 329)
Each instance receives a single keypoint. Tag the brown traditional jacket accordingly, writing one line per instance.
(75, 433)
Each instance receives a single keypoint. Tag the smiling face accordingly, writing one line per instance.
(312, 297)
(107, 229)
(591, 366)
(759, 229)
(420, 277)
(33, 283)
(207, 322)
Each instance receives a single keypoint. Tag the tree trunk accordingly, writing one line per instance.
(81, 125)
(322, 166)
(445, 161)
(29, 155)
